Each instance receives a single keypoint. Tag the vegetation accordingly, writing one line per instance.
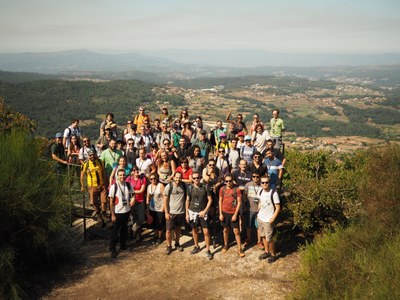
(33, 217)
(361, 261)
(53, 104)
(377, 115)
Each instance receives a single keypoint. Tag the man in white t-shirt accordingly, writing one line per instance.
(269, 208)
(121, 200)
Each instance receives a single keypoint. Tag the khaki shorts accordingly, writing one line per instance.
(95, 193)
(266, 230)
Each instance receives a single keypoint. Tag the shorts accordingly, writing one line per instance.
(195, 220)
(158, 220)
(250, 219)
(266, 230)
(97, 192)
(227, 222)
(175, 221)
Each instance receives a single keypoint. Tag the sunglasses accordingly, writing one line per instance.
(256, 176)
(221, 151)
(264, 182)
(227, 181)
(194, 178)
(211, 165)
(152, 178)
(86, 141)
(130, 144)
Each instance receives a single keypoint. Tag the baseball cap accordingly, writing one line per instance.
(247, 138)
(241, 133)
(59, 135)
(90, 152)
(222, 135)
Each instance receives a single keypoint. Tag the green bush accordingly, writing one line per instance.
(363, 260)
(32, 215)
(323, 192)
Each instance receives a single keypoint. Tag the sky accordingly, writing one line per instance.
(287, 26)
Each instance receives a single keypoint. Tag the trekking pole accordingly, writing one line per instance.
(84, 215)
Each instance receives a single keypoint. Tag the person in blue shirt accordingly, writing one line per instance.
(275, 169)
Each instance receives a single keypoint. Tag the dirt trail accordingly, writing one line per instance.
(146, 272)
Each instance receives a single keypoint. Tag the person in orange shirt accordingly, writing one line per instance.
(141, 117)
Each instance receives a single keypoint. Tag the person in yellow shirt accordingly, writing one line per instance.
(141, 117)
(95, 173)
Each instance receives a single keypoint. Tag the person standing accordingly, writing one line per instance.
(110, 157)
(121, 200)
(269, 208)
(251, 199)
(174, 204)
(198, 203)
(58, 154)
(275, 169)
(277, 127)
(95, 174)
(230, 200)
(141, 117)
(69, 131)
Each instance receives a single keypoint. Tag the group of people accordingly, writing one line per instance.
(179, 172)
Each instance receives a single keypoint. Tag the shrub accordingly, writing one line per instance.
(363, 260)
(323, 192)
(32, 214)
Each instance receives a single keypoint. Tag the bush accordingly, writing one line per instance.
(32, 215)
(363, 260)
(323, 192)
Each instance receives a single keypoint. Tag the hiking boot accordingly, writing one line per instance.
(195, 250)
(114, 254)
(123, 247)
(98, 218)
(158, 241)
(241, 253)
(209, 255)
(169, 250)
(264, 255)
(271, 259)
(224, 249)
(178, 247)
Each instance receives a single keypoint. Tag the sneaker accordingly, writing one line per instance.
(178, 247)
(271, 259)
(264, 255)
(158, 241)
(209, 255)
(195, 250)
(241, 253)
(124, 247)
(224, 249)
(114, 254)
(169, 250)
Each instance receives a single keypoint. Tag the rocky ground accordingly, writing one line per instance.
(146, 272)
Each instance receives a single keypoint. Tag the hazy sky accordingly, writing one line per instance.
(294, 26)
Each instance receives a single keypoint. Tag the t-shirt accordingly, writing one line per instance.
(185, 174)
(177, 199)
(136, 186)
(121, 197)
(94, 172)
(110, 159)
(229, 201)
(70, 131)
(267, 209)
(198, 198)
(247, 153)
(277, 127)
(251, 192)
(241, 178)
(156, 198)
(273, 170)
(144, 165)
(58, 150)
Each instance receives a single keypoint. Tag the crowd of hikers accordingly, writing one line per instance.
(173, 173)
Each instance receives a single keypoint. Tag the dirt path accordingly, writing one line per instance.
(146, 272)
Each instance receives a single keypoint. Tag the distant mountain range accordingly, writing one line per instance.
(171, 65)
